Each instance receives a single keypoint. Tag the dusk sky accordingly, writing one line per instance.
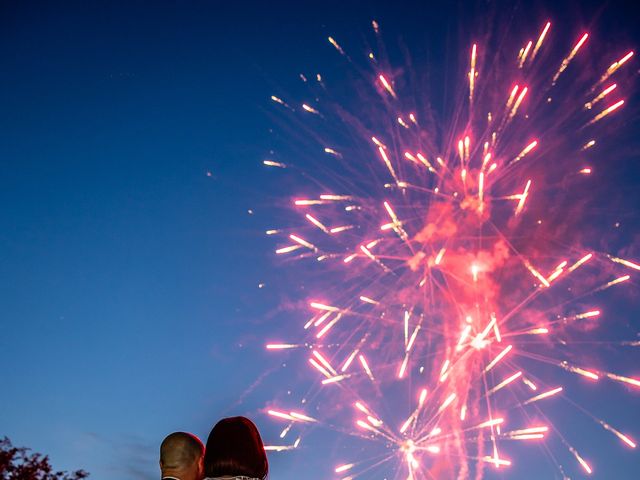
(134, 204)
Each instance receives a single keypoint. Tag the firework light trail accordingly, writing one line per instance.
(451, 280)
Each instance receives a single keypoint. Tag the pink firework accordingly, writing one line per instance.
(449, 282)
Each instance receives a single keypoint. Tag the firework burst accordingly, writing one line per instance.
(452, 281)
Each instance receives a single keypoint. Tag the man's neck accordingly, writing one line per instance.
(174, 476)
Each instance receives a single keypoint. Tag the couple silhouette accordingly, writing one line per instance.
(234, 450)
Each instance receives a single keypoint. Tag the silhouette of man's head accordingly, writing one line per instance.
(234, 448)
(181, 456)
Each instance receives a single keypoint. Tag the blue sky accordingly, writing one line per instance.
(129, 277)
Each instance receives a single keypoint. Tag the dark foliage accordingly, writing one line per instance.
(20, 464)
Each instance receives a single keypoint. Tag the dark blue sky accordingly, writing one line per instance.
(128, 276)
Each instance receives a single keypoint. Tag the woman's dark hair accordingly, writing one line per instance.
(234, 447)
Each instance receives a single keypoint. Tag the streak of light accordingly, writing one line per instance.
(322, 318)
(369, 300)
(340, 229)
(536, 274)
(568, 58)
(320, 368)
(306, 202)
(618, 434)
(593, 313)
(271, 163)
(328, 326)
(600, 96)
(496, 461)
(378, 142)
(516, 105)
(466, 147)
(335, 379)
(324, 362)
(291, 416)
(540, 40)
(527, 436)
(386, 161)
(580, 262)
(348, 258)
(303, 242)
(512, 96)
(413, 337)
(529, 384)
(537, 331)
(336, 198)
(498, 357)
(543, 395)
(310, 109)
(344, 468)
(336, 45)
(349, 360)
(425, 162)
(366, 426)
(613, 282)
(278, 448)
(615, 66)
(489, 423)
(301, 417)
(555, 275)
(472, 71)
(525, 151)
(579, 371)
(280, 346)
(504, 383)
(333, 152)
(523, 198)
(403, 366)
(624, 262)
(463, 337)
(527, 431)
(444, 370)
(322, 306)
(627, 380)
(371, 256)
(447, 402)
(386, 85)
(317, 223)
(365, 366)
(525, 52)
(606, 112)
(582, 461)
(288, 249)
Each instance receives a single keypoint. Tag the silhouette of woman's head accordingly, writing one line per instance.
(234, 448)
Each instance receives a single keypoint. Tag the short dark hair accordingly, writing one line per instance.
(234, 447)
(180, 450)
